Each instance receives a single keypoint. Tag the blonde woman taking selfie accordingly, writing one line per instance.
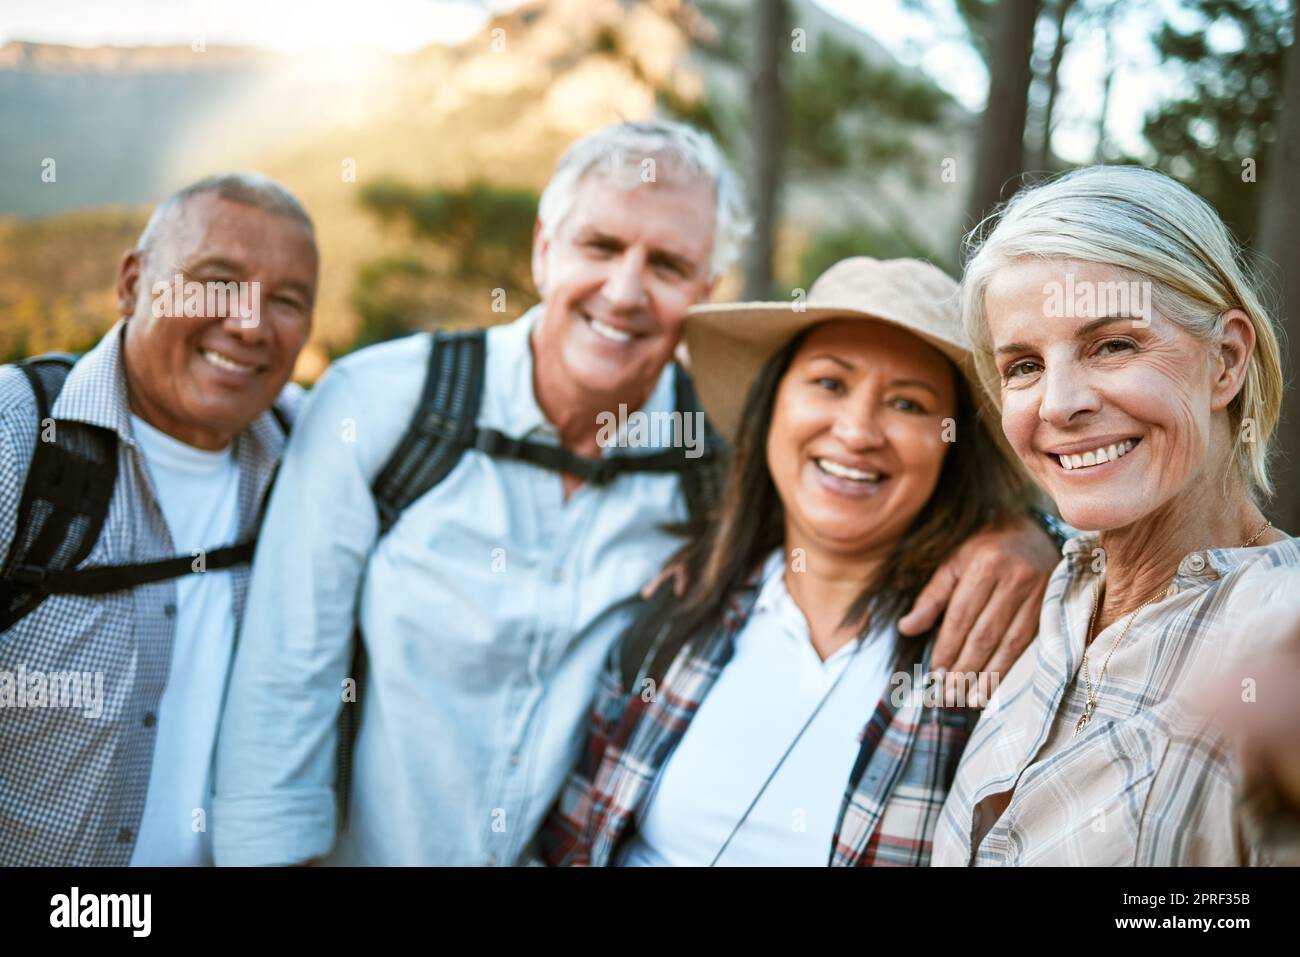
(1139, 381)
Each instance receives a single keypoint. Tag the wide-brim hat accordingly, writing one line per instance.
(730, 343)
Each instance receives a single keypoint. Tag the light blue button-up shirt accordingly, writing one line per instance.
(487, 612)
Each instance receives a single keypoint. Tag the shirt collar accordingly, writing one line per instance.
(95, 392)
(1202, 565)
(775, 598)
(510, 370)
(772, 593)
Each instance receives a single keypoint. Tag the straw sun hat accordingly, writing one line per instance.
(729, 343)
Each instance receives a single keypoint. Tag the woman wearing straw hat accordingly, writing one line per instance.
(1139, 380)
(771, 722)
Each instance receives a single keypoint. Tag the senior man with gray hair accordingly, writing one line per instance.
(123, 474)
(473, 516)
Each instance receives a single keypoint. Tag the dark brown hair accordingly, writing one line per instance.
(977, 486)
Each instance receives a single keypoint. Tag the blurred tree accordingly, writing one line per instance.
(1000, 154)
(765, 149)
(839, 113)
(394, 295)
(830, 247)
(475, 238)
(1051, 81)
(1280, 219)
(1216, 137)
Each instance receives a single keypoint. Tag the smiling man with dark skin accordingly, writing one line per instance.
(186, 400)
(487, 602)
(202, 381)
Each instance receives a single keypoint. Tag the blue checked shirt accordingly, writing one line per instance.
(487, 612)
(72, 783)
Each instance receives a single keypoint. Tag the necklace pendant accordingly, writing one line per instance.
(1082, 722)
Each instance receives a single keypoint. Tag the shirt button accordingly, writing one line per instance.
(514, 759)
(1196, 563)
(492, 860)
(557, 576)
(124, 835)
(150, 719)
(169, 610)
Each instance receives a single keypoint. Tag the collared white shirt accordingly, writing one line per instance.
(487, 611)
(752, 714)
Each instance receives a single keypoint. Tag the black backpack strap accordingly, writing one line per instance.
(649, 624)
(65, 496)
(65, 501)
(441, 428)
(100, 579)
(282, 419)
(555, 458)
(444, 426)
(702, 477)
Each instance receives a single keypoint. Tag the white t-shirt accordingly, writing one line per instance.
(198, 492)
(765, 694)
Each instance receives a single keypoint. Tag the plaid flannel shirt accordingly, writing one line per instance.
(1149, 781)
(73, 786)
(891, 803)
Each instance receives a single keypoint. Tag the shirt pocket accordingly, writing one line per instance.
(1091, 805)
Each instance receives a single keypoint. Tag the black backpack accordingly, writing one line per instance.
(64, 503)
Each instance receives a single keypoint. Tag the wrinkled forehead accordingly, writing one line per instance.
(1053, 298)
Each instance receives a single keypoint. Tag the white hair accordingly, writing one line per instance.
(251, 189)
(1150, 226)
(630, 144)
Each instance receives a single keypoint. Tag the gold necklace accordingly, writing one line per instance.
(1091, 704)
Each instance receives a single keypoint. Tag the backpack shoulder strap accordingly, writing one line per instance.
(65, 496)
(441, 428)
(702, 477)
(649, 624)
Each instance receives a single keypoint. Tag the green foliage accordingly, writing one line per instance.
(1229, 110)
(470, 243)
(57, 279)
(841, 113)
(861, 239)
(392, 297)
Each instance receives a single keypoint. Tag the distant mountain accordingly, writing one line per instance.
(125, 126)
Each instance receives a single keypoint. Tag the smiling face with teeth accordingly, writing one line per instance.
(1114, 416)
(616, 276)
(855, 448)
(202, 379)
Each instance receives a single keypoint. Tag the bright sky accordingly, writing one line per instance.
(397, 26)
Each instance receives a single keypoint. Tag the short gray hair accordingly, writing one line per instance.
(251, 189)
(626, 144)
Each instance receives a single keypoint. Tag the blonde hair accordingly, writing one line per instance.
(1148, 225)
